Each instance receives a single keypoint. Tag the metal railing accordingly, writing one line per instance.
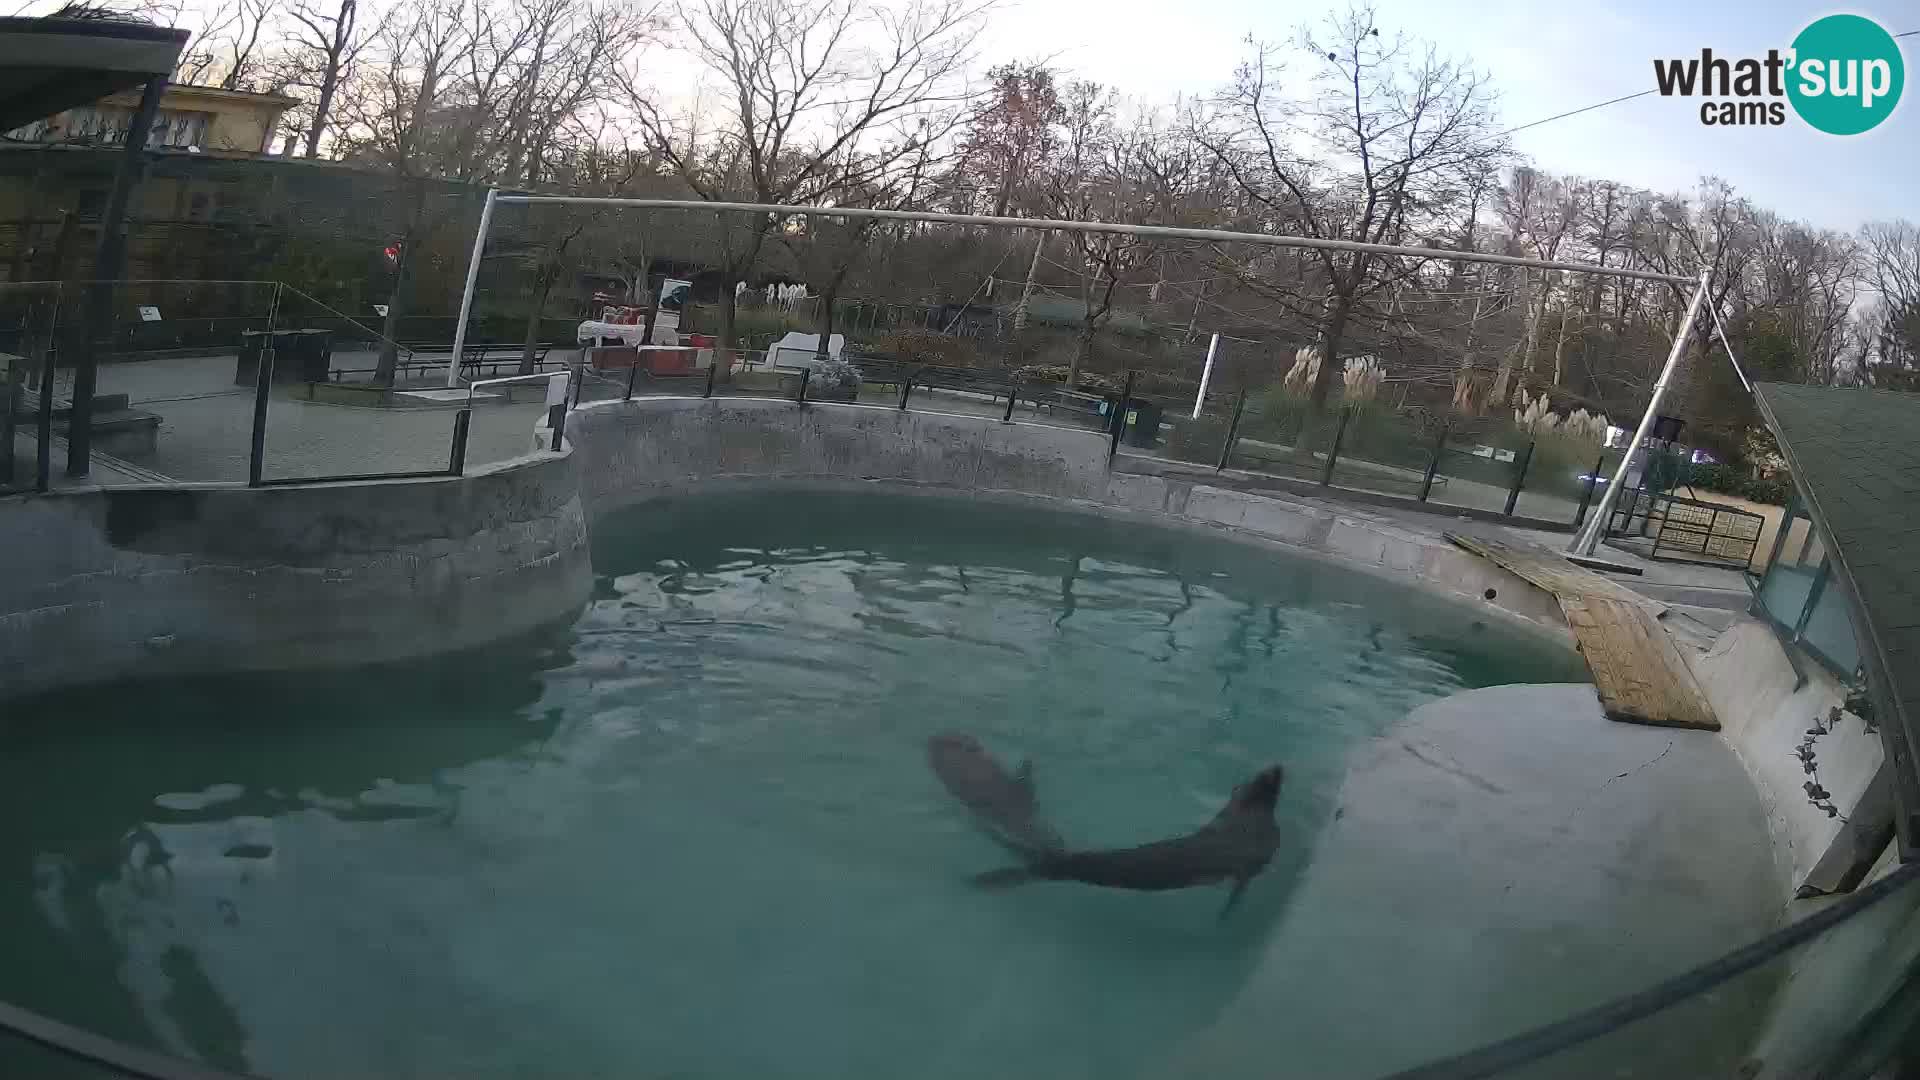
(1686, 530)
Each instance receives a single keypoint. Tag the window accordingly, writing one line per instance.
(180, 130)
(1801, 595)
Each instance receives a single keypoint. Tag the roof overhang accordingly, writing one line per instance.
(48, 65)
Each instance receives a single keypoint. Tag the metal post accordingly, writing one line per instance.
(1433, 463)
(262, 386)
(1519, 477)
(906, 388)
(43, 427)
(107, 267)
(1333, 452)
(1012, 392)
(1119, 424)
(1206, 376)
(805, 374)
(262, 391)
(1586, 492)
(557, 420)
(1233, 431)
(457, 460)
(633, 372)
(466, 295)
(712, 366)
(1587, 540)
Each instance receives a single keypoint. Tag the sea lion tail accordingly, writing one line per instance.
(1005, 878)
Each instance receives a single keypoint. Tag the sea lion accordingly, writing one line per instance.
(1003, 803)
(1235, 846)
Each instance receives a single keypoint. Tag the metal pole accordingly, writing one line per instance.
(1119, 425)
(712, 366)
(1333, 452)
(1586, 493)
(107, 266)
(1113, 228)
(805, 374)
(457, 460)
(262, 391)
(633, 372)
(1012, 392)
(1519, 477)
(1587, 540)
(473, 278)
(906, 387)
(1233, 432)
(1206, 376)
(1433, 463)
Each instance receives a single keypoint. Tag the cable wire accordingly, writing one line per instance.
(1544, 1041)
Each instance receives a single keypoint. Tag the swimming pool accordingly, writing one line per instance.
(694, 833)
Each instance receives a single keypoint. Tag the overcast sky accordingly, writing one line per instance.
(1544, 61)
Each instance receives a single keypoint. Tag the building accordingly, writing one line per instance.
(191, 118)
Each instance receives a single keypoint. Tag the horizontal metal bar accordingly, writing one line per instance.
(543, 376)
(83, 1045)
(290, 481)
(1060, 225)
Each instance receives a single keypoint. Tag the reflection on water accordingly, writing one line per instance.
(694, 834)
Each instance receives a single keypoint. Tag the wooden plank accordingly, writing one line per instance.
(1641, 675)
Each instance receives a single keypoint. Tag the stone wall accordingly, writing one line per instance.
(105, 584)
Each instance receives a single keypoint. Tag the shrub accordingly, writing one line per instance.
(836, 375)
(916, 346)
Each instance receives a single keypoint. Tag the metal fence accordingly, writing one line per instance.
(1675, 529)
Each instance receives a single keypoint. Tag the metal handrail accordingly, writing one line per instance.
(504, 380)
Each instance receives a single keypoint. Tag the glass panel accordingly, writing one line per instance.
(1829, 629)
(1784, 592)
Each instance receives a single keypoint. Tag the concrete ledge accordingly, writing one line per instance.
(109, 584)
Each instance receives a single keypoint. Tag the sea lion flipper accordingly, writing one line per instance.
(1004, 878)
(1233, 898)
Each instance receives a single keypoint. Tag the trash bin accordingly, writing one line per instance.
(303, 356)
(252, 343)
(1143, 423)
(298, 355)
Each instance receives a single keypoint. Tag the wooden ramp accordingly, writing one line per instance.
(1642, 675)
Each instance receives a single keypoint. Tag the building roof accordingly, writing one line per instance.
(49, 65)
(1855, 456)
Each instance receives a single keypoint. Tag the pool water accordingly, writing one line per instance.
(694, 834)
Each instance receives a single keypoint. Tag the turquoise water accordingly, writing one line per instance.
(693, 834)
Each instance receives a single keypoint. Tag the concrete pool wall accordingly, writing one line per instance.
(192, 579)
(630, 452)
(184, 579)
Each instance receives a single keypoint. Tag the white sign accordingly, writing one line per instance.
(380, 310)
(149, 314)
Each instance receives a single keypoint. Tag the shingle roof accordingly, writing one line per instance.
(1855, 456)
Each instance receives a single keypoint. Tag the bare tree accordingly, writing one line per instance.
(320, 56)
(805, 85)
(1395, 128)
(227, 51)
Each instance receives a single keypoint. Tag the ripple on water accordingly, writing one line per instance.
(694, 833)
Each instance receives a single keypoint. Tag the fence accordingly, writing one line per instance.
(1484, 467)
(243, 382)
(1668, 527)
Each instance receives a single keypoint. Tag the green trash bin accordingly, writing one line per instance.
(1143, 423)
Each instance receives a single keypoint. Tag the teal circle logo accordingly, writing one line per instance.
(1847, 74)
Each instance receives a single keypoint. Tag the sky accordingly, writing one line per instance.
(1543, 62)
